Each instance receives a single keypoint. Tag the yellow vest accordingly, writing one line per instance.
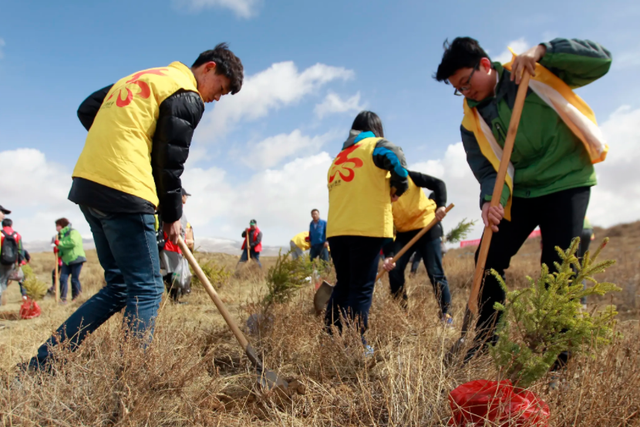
(359, 194)
(299, 241)
(117, 152)
(572, 109)
(414, 210)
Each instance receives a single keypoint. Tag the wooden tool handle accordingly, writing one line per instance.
(56, 278)
(414, 240)
(497, 190)
(213, 294)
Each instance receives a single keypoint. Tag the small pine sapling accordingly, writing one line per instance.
(460, 231)
(36, 289)
(541, 321)
(286, 277)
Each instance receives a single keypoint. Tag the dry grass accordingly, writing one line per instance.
(194, 374)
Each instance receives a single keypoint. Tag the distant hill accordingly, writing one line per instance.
(205, 244)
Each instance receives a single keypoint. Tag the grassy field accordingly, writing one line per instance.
(194, 373)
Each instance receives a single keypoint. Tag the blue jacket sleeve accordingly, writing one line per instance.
(390, 157)
(324, 231)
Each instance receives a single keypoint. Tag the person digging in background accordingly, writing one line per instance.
(318, 237)
(360, 218)
(299, 244)
(140, 130)
(411, 213)
(71, 253)
(552, 167)
(255, 243)
(52, 289)
(10, 250)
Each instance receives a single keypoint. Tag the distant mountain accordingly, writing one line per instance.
(45, 245)
(229, 246)
(204, 244)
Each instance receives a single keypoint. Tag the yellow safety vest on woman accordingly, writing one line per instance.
(414, 210)
(117, 153)
(359, 194)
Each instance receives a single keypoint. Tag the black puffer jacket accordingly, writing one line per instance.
(179, 115)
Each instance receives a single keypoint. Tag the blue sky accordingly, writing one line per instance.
(309, 68)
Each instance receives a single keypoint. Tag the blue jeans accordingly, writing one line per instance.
(74, 270)
(128, 253)
(319, 251)
(254, 256)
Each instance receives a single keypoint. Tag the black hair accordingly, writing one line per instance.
(462, 52)
(368, 121)
(314, 210)
(227, 64)
(7, 222)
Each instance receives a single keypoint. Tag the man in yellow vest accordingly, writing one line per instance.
(551, 170)
(140, 130)
(299, 244)
(411, 213)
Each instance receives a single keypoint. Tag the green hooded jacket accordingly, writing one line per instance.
(547, 156)
(70, 246)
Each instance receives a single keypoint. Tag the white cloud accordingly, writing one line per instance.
(334, 104)
(272, 150)
(279, 199)
(278, 86)
(519, 46)
(626, 59)
(35, 190)
(616, 198)
(462, 188)
(242, 8)
(2, 44)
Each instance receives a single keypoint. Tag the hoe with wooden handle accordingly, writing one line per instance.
(472, 306)
(268, 379)
(56, 275)
(413, 241)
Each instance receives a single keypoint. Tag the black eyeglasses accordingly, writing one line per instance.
(466, 87)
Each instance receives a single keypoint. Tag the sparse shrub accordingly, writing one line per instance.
(286, 277)
(546, 318)
(36, 289)
(218, 275)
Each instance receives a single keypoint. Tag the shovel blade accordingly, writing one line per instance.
(321, 298)
(266, 378)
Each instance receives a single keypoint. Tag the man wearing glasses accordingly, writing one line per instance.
(551, 171)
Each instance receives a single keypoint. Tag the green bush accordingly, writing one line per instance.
(286, 277)
(217, 275)
(546, 318)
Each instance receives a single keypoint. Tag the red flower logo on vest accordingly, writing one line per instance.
(144, 90)
(347, 173)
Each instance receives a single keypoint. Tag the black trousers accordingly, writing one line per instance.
(560, 217)
(430, 251)
(356, 262)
